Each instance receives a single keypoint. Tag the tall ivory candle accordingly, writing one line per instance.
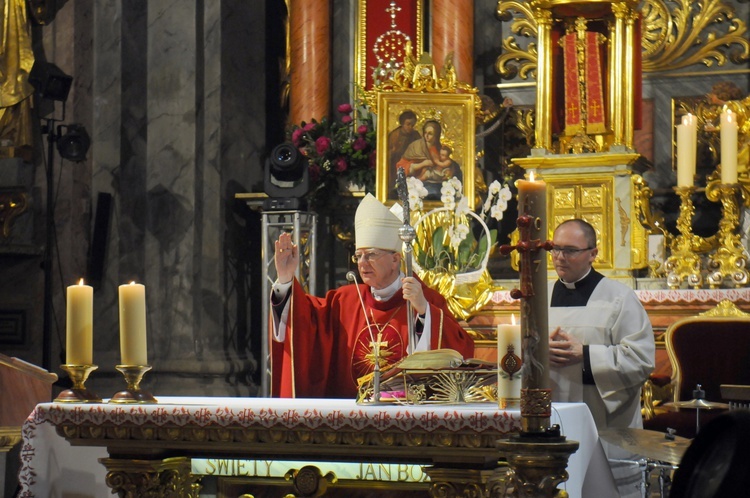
(687, 143)
(509, 363)
(133, 324)
(728, 133)
(79, 320)
(532, 201)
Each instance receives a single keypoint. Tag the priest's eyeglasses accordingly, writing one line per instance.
(369, 256)
(568, 252)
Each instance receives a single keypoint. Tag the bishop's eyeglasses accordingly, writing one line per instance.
(369, 256)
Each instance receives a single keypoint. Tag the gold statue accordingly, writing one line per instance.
(15, 65)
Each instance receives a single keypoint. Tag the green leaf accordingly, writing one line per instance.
(465, 249)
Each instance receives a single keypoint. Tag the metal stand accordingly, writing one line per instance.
(303, 227)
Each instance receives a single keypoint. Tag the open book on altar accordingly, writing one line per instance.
(436, 376)
(436, 359)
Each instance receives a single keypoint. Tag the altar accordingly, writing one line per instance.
(78, 449)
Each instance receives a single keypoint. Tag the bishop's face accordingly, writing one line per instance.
(378, 267)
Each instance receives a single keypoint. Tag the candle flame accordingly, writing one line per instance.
(531, 176)
(80, 282)
(513, 319)
(132, 282)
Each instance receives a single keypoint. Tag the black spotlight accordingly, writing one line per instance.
(286, 179)
(49, 81)
(74, 144)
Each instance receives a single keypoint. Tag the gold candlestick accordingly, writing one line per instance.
(684, 262)
(133, 394)
(78, 393)
(729, 260)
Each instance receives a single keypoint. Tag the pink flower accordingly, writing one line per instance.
(346, 119)
(322, 145)
(362, 129)
(296, 135)
(341, 164)
(359, 144)
(308, 126)
(345, 108)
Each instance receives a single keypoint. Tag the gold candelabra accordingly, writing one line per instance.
(730, 259)
(684, 262)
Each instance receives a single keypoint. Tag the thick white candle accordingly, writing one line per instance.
(509, 362)
(532, 202)
(79, 325)
(133, 324)
(728, 147)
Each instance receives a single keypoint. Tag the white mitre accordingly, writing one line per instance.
(376, 226)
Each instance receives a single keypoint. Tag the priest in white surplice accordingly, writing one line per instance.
(601, 347)
(601, 342)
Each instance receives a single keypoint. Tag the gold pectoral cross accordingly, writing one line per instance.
(379, 350)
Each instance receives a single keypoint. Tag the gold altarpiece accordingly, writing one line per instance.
(587, 72)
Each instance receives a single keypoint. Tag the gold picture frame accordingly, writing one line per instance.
(455, 114)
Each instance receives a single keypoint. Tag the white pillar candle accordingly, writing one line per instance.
(79, 320)
(687, 144)
(728, 133)
(133, 324)
(509, 361)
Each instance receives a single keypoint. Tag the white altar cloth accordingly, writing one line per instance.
(52, 468)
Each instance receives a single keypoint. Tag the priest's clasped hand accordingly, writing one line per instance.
(413, 293)
(286, 256)
(564, 349)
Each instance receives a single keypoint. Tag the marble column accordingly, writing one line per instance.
(310, 48)
(453, 31)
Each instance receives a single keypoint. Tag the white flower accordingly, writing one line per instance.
(456, 184)
(417, 192)
(505, 194)
(497, 211)
(447, 189)
(415, 201)
(487, 204)
(494, 189)
(462, 207)
(457, 234)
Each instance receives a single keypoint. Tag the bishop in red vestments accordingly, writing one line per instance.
(321, 346)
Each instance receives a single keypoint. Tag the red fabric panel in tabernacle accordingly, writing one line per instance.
(387, 28)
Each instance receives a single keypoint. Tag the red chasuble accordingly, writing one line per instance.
(327, 346)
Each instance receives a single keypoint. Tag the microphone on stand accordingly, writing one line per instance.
(352, 277)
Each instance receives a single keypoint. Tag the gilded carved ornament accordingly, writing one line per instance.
(725, 308)
(419, 75)
(675, 35)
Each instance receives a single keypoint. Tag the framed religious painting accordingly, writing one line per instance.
(431, 136)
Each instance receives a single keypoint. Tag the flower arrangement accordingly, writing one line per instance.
(453, 243)
(448, 242)
(339, 151)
